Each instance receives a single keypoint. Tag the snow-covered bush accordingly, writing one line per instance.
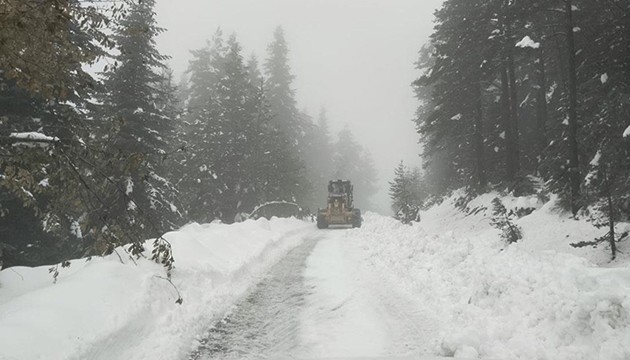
(502, 219)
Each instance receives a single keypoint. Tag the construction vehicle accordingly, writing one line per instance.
(340, 210)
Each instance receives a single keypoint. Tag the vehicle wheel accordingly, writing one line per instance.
(356, 223)
(322, 223)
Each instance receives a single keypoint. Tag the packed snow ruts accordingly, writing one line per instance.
(266, 322)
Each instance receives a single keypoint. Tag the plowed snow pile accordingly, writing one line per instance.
(536, 299)
(103, 309)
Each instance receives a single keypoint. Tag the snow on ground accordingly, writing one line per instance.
(352, 310)
(339, 319)
(103, 309)
(536, 299)
(447, 286)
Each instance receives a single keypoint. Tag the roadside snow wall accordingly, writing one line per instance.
(535, 299)
(103, 309)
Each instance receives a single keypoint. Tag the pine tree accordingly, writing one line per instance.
(439, 171)
(169, 166)
(286, 117)
(279, 88)
(236, 134)
(44, 45)
(239, 158)
(135, 109)
(253, 70)
(608, 185)
(554, 85)
(45, 89)
(459, 70)
(605, 139)
(38, 201)
(198, 180)
(266, 146)
(352, 162)
(405, 192)
(317, 159)
(503, 220)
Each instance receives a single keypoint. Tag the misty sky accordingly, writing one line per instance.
(353, 57)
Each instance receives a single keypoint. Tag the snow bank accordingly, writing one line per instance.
(103, 309)
(536, 299)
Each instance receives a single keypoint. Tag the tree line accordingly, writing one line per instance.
(514, 91)
(90, 163)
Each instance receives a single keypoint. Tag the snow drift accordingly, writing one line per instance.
(103, 309)
(535, 299)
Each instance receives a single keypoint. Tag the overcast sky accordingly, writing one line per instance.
(353, 57)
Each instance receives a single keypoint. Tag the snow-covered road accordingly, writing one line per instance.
(320, 301)
(266, 322)
(281, 288)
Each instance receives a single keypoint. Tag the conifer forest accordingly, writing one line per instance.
(91, 160)
(526, 97)
(516, 95)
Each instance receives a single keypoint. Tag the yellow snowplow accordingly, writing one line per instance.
(339, 210)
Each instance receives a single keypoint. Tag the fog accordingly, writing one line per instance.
(353, 57)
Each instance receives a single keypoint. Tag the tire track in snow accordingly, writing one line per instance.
(339, 319)
(266, 323)
(413, 329)
(355, 310)
(325, 299)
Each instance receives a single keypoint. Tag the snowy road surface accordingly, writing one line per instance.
(281, 288)
(320, 301)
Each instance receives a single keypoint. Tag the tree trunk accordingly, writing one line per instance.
(513, 166)
(541, 109)
(611, 224)
(574, 171)
(507, 128)
(513, 109)
(479, 151)
(611, 216)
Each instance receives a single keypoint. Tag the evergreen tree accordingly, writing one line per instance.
(139, 115)
(405, 192)
(239, 157)
(269, 162)
(456, 77)
(44, 91)
(44, 44)
(39, 194)
(170, 166)
(352, 162)
(554, 87)
(317, 159)
(605, 137)
(286, 117)
(253, 70)
(236, 132)
(279, 88)
(198, 180)
(503, 220)
(439, 170)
